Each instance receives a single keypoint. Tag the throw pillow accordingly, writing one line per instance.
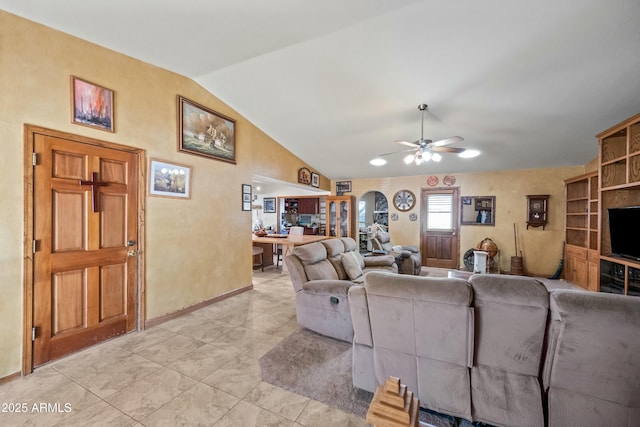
(351, 265)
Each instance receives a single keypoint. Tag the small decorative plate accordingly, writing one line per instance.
(433, 180)
(449, 180)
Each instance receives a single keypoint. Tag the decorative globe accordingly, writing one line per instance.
(489, 246)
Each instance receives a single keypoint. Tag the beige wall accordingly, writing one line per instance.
(188, 242)
(541, 249)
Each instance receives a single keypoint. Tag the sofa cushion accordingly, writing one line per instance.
(313, 257)
(335, 249)
(422, 332)
(594, 368)
(511, 317)
(351, 265)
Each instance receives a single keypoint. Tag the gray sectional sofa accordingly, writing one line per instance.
(321, 274)
(500, 349)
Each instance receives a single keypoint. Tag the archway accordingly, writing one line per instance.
(373, 207)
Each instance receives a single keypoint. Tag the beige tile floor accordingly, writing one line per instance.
(197, 370)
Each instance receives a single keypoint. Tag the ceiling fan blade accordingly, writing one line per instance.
(397, 152)
(447, 150)
(447, 141)
(413, 144)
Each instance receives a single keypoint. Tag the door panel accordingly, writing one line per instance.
(84, 279)
(439, 243)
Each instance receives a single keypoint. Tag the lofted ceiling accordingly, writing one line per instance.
(336, 82)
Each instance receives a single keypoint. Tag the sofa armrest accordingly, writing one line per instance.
(360, 316)
(327, 287)
(412, 249)
(379, 261)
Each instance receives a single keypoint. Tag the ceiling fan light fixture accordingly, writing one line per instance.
(378, 161)
(469, 154)
(409, 159)
(436, 157)
(418, 159)
(426, 156)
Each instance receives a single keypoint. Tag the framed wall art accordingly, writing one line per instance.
(315, 179)
(91, 105)
(304, 176)
(269, 205)
(246, 197)
(169, 179)
(343, 186)
(204, 132)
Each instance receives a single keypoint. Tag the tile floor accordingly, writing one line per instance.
(197, 370)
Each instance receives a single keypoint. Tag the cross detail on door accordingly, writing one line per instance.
(95, 184)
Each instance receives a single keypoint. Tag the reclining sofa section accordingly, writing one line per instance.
(501, 349)
(321, 274)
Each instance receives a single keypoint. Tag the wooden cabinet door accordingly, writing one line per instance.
(594, 277)
(85, 226)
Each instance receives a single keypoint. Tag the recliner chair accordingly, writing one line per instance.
(408, 258)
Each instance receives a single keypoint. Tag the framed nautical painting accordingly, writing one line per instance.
(203, 132)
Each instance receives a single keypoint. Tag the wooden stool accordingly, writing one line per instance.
(258, 251)
(394, 406)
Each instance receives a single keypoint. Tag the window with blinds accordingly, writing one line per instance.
(440, 212)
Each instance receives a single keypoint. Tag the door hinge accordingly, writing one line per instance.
(33, 333)
(34, 246)
(34, 159)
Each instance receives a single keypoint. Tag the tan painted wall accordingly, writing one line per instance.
(541, 248)
(196, 249)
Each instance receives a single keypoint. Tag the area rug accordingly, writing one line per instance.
(319, 367)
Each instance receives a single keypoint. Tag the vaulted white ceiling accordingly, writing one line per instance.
(527, 83)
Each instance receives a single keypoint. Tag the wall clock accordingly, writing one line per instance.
(537, 210)
(404, 200)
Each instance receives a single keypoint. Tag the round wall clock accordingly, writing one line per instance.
(404, 200)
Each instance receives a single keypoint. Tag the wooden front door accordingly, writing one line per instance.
(85, 210)
(439, 228)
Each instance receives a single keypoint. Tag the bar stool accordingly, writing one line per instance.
(257, 250)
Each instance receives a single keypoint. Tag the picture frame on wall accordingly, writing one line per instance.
(269, 205)
(204, 132)
(304, 176)
(315, 179)
(169, 179)
(246, 197)
(91, 105)
(343, 186)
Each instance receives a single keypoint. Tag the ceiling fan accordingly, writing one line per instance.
(423, 149)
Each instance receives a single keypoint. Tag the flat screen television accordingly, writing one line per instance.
(624, 229)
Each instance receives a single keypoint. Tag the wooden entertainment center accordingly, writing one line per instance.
(589, 261)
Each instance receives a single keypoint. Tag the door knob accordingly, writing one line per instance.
(132, 253)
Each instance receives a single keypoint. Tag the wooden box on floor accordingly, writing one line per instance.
(394, 406)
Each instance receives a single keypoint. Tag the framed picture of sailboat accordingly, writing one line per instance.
(91, 105)
(203, 132)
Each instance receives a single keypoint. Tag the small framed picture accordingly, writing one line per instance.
(343, 186)
(269, 205)
(91, 105)
(246, 197)
(315, 179)
(304, 176)
(169, 179)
